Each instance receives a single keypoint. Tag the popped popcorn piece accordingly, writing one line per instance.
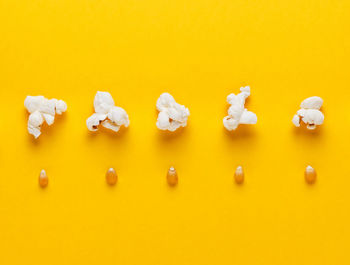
(107, 114)
(237, 113)
(171, 115)
(42, 110)
(309, 113)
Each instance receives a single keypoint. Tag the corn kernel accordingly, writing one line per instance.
(172, 177)
(239, 175)
(310, 175)
(43, 179)
(111, 176)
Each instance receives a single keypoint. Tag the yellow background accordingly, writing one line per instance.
(199, 51)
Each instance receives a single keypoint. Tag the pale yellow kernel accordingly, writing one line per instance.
(239, 175)
(172, 177)
(310, 175)
(111, 176)
(43, 179)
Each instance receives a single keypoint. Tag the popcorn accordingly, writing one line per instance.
(42, 110)
(171, 114)
(309, 113)
(107, 114)
(237, 113)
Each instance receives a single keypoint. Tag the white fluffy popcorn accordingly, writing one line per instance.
(171, 114)
(237, 113)
(42, 110)
(309, 113)
(107, 114)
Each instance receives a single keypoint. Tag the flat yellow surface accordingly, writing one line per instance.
(199, 51)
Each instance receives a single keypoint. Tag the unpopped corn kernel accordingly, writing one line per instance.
(239, 175)
(310, 174)
(111, 176)
(43, 179)
(172, 177)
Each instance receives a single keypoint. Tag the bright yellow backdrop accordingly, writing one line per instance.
(200, 51)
